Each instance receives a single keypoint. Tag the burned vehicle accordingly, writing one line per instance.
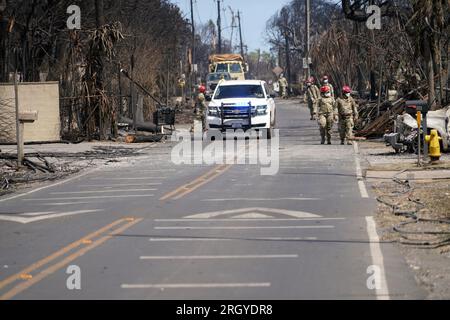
(404, 138)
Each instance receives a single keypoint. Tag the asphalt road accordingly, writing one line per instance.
(156, 230)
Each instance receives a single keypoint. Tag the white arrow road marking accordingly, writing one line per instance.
(252, 215)
(233, 219)
(33, 214)
(16, 218)
(295, 214)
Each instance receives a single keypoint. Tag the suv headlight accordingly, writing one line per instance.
(213, 111)
(261, 110)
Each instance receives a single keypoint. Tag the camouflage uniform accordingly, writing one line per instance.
(201, 110)
(326, 113)
(348, 113)
(283, 87)
(312, 97)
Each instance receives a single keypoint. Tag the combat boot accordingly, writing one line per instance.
(342, 142)
(322, 141)
(329, 141)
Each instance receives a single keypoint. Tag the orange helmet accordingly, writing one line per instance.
(325, 89)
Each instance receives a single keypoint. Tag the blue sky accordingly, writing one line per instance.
(255, 14)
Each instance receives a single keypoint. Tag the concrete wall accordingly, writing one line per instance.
(40, 96)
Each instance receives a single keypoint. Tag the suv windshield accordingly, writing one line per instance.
(239, 91)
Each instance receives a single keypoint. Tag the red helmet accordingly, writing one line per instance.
(325, 89)
(202, 89)
(346, 89)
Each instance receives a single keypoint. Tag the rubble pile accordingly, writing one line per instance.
(50, 166)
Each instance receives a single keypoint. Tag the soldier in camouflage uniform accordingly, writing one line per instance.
(201, 106)
(311, 97)
(348, 114)
(326, 113)
(326, 82)
(283, 86)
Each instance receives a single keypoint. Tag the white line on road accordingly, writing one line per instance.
(111, 185)
(135, 178)
(57, 204)
(259, 199)
(212, 257)
(195, 285)
(359, 176)
(225, 239)
(102, 191)
(242, 228)
(186, 239)
(96, 197)
(140, 170)
(377, 258)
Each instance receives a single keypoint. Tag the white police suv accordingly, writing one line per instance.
(241, 104)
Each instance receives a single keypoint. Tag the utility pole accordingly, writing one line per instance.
(19, 127)
(192, 82)
(219, 28)
(307, 42)
(240, 35)
(288, 59)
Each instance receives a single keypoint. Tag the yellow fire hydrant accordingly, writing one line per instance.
(434, 147)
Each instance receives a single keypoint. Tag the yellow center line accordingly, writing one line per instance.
(31, 280)
(203, 182)
(196, 183)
